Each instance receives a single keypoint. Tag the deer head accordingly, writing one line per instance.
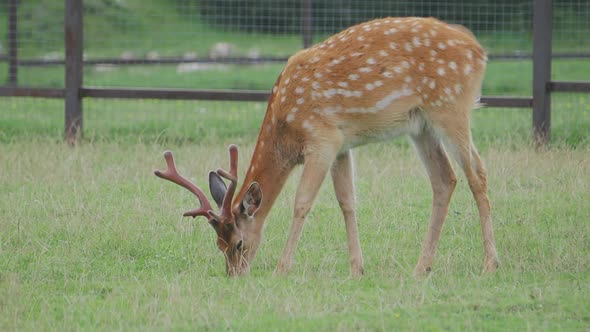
(236, 237)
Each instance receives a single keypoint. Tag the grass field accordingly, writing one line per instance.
(92, 240)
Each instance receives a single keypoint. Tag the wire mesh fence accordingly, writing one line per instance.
(243, 44)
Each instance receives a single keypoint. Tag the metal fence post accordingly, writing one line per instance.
(73, 72)
(12, 43)
(542, 26)
(307, 23)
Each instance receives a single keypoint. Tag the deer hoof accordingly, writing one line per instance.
(282, 269)
(491, 265)
(422, 271)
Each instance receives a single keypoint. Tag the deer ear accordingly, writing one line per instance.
(217, 188)
(252, 200)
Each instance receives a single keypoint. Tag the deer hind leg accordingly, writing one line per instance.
(478, 185)
(316, 166)
(343, 178)
(443, 181)
(456, 134)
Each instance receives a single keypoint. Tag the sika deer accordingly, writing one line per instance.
(381, 79)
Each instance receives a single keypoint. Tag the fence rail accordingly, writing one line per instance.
(30, 62)
(75, 91)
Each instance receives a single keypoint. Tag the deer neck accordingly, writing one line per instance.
(274, 157)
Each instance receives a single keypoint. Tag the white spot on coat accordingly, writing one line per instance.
(387, 100)
(390, 31)
(307, 125)
(468, 69)
(416, 42)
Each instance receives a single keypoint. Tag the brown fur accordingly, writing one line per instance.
(377, 80)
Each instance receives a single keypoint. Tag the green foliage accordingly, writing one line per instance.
(41, 21)
(115, 13)
(330, 16)
(176, 27)
(253, 15)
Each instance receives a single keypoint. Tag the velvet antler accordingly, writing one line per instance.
(171, 174)
(232, 176)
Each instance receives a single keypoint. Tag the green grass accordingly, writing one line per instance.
(92, 240)
(180, 122)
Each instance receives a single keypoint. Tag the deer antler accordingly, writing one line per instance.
(171, 174)
(232, 176)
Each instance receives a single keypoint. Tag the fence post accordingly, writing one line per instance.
(542, 25)
(12, 43)
(307, 23)
(73, 72)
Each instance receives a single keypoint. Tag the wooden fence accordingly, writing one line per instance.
(75, 91)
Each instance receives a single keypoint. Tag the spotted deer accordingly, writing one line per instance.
(418, 77)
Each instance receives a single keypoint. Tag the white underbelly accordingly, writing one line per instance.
(372, 137)
(356, 135)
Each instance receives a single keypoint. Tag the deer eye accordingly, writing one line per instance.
(239, 245)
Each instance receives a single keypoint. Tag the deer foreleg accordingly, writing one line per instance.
(316, 165)
(343, 178)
